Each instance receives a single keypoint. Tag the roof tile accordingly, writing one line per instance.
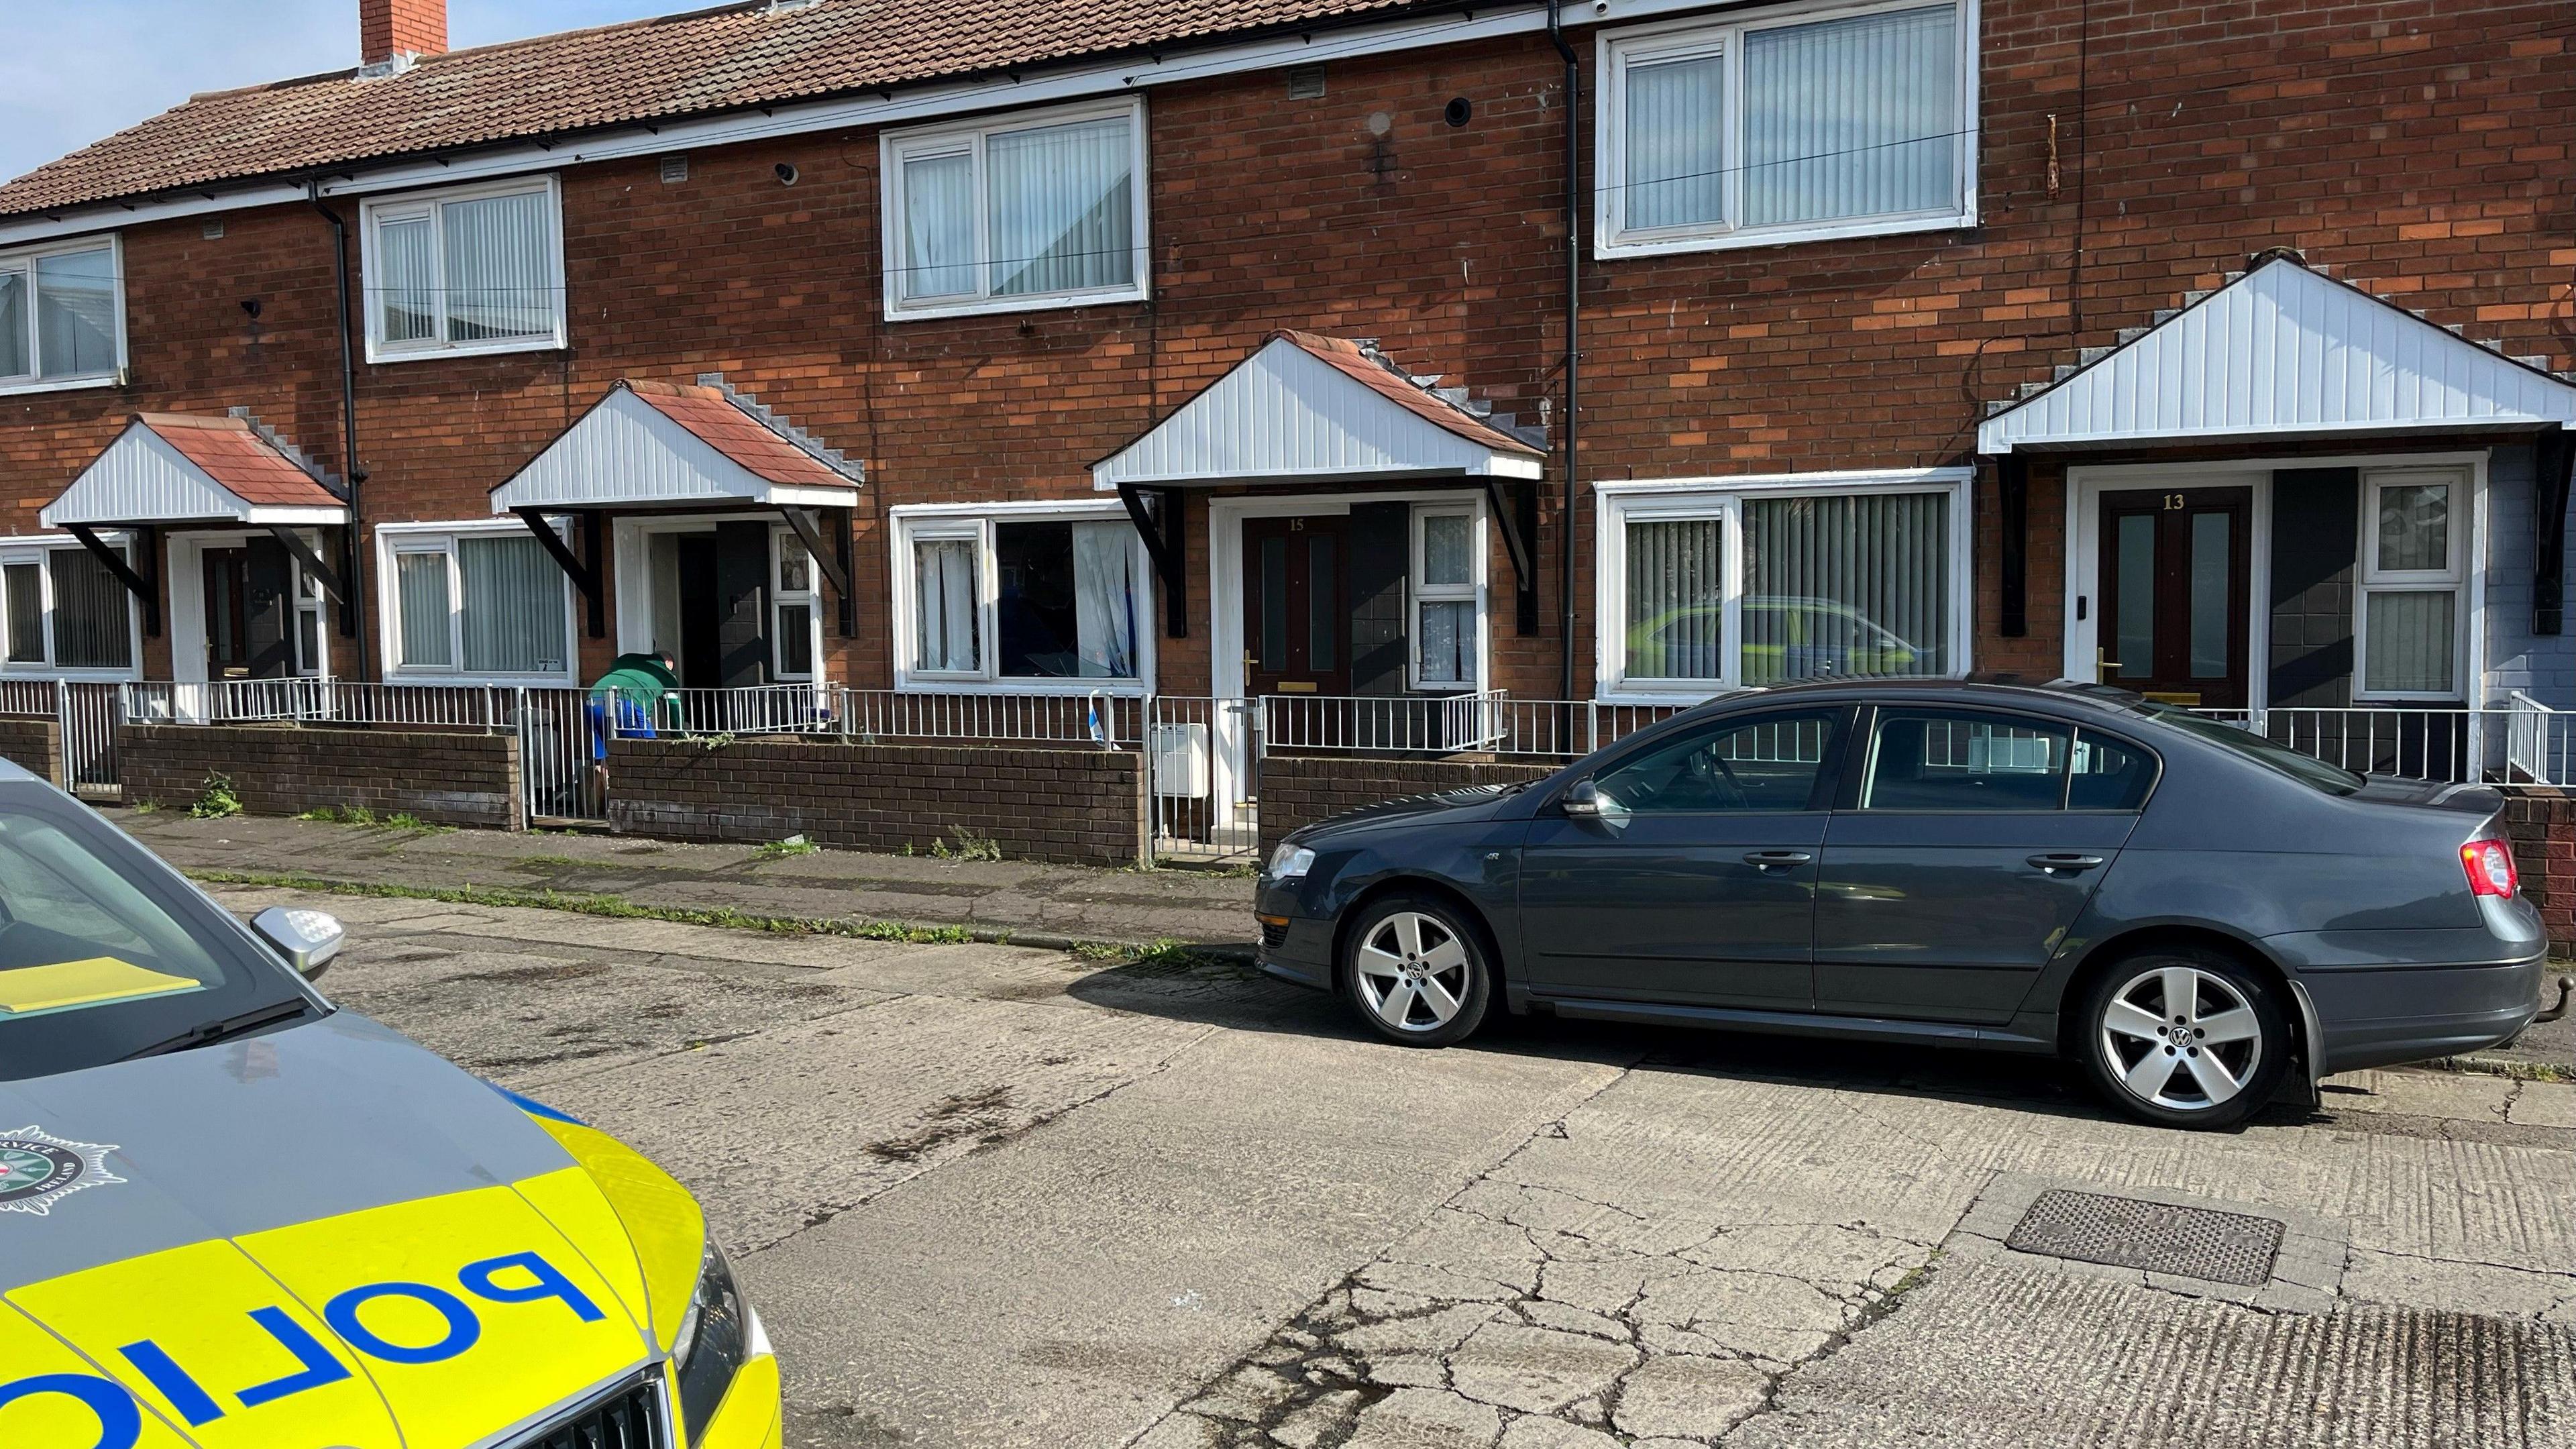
(722, 424)
(232, 453)
(702, 63)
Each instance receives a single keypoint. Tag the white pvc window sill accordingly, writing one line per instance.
(379, 354)
(58, 384)
(1734, 239)
(994, 306)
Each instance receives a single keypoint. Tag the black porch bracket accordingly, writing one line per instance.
(1509, 510)
(1164, 548)
(831, 555)
(332, 584)
(2012, 559)
(2555, 455)
(583, 568)
(144, 586)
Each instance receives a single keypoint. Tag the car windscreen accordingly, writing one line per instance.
(2306, 769)
(102, 954)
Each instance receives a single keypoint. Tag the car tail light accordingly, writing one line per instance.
(2490, 867)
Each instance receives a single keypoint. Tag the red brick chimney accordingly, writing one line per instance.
(388, 28)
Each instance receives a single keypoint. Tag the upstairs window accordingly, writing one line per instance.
(1779, 130)
(1032, 211)
(62, 316)
(467, 271)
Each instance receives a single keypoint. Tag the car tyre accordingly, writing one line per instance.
(1417, 970)
(2185, 1037)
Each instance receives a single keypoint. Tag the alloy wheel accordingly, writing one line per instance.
(1413, 971)
(2181, 1038)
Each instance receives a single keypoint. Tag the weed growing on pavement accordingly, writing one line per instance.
(405, 820)
(612, 907)
(145, 807)
(543, 862)
(1164, 955)
(340, 815)
(217, 800)
(781, 849)
(968, 846)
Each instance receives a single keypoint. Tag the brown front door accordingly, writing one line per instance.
(2176, 593)
(1296, 611)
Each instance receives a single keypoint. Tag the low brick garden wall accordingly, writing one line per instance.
(36, 744)
(2542, 821)
(444, 777)
(1080, 807)
(1298, 790)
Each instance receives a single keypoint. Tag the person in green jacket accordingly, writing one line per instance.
(636, 695)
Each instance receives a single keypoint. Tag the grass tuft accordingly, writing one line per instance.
(217, 800)
(781, 849)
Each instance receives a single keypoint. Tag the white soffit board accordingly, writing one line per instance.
(2287, 351)
(1283, 413)
(141, 478)
(627, 453)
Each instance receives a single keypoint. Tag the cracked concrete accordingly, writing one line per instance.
(991, 1196)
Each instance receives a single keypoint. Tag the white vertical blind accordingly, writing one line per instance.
(1856, 117)
(513, 618)
(2411, 641)
(1104, 599)
(420, 589)
(939, 225)
(1851, 585)
(1675, 143)
(945, 606)
(1676, 597)
(93, 629)
(1062, 212)
(76, 313)
(500, 278)
(407, 287)
(16, 360)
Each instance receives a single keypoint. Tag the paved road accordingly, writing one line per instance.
(994, 1196)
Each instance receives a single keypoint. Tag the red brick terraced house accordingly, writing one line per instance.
(1616, 351)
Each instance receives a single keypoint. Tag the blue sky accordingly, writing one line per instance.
(76, 70)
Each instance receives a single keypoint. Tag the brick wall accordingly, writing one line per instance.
(1298, 790)
(446, 778)
(2542, 822)
(1083, 807)
(36, 744)
(2129, 151)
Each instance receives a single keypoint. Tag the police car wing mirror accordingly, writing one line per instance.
(307, 939)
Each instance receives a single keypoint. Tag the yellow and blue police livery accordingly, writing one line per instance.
(235, 1217)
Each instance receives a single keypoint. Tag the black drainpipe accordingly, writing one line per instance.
(351, 476)
(1573, 341)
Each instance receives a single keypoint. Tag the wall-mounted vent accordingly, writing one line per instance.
(214, 231)
(675, 169)
(1305, 82)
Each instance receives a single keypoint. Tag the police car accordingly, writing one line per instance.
(232, 1216)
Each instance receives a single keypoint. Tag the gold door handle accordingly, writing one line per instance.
(2103, 668)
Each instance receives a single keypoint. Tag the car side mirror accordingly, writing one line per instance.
(1588, 801)
(307, 939)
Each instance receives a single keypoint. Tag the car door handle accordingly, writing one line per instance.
(2070, 864)
(1776, 859)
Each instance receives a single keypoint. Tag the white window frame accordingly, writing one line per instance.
(1420, 593)
(39, 551)
(393, 539)
(376, 211)
(631, 548)
(975, 521)
(2452, 578)
(897, 147)
(784, 545)
(1619, 50)
(23, 260)
(1723, 498)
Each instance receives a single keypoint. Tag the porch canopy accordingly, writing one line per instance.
(1308, 409)
(2286, 354)
(187, 470)
(661, 448)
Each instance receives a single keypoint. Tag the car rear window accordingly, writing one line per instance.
(2314, 773)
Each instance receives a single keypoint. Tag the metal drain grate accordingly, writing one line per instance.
(2157, 1237)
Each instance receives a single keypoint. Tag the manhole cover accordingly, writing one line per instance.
(2157, 1237)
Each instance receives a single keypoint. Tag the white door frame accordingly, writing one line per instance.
(184, 564)
(2086, 483)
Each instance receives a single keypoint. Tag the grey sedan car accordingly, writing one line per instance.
(2183, 907)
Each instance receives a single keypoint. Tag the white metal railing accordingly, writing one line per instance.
(766, 709)
(1488, 723)
(2521, 742)
(1202, 759)
(1098, 718)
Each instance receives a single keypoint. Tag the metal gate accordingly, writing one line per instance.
(563, 756)
(89, 714)
(1202, 778)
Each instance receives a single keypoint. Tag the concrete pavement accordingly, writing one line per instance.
(995, 1196)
